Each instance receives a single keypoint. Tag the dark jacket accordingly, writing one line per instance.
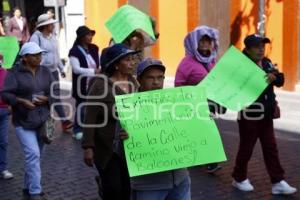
(75, 51)
(14, 30)
(268, 98)
(101, 138)
(20, 83)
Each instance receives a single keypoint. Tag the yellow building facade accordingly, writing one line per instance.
(234, 18)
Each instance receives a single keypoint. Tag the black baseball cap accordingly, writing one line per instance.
(255, 39)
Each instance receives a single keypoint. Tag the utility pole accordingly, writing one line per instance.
(56, 8)
(261, 18)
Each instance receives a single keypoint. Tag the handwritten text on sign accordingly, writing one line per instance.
(235, 82)
(168, 129)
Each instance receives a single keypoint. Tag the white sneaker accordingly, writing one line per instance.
(243, 186)
(78, 136)
(283, 188)
(6, 175)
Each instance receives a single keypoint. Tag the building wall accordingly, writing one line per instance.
(173, 29)
(282, 27)
(210, 14)
(234, 18)
(290, 46)
(96, 14)
(244, 19)
(74, 18)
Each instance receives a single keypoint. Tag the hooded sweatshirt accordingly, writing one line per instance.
(194, 67)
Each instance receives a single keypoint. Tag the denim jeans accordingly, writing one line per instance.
(32, 148)
(59, 108)
(4, 123)
(76, 127)
(179, 192)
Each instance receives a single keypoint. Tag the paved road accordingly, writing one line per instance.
(65, 177)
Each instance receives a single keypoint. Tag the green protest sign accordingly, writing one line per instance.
(235, 82)
(168, 129)
(126, 20)
(9, 48)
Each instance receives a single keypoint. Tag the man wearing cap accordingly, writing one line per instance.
(27, 89)
(84, 60)
(169, 185)
(45, 38)
(256, 122)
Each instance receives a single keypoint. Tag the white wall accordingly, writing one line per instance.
(74, 12)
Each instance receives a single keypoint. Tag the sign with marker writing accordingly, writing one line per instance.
(168, 129)
(126, 20)
(235, 82)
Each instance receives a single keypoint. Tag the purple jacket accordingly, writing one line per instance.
(191, 72)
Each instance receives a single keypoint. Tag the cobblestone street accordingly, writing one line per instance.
(65, 176)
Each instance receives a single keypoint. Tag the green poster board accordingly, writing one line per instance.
(9, 48)
(235, 82)
(126, 20)
(168, 129)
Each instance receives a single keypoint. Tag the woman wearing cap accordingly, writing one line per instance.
(101, 136)
(256, 122)
(84, 59)
(17, 26)
(27, 90)
(201, 49)
(45, 38)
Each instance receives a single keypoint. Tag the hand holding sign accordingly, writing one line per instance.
(168, 129)
(235, 82)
